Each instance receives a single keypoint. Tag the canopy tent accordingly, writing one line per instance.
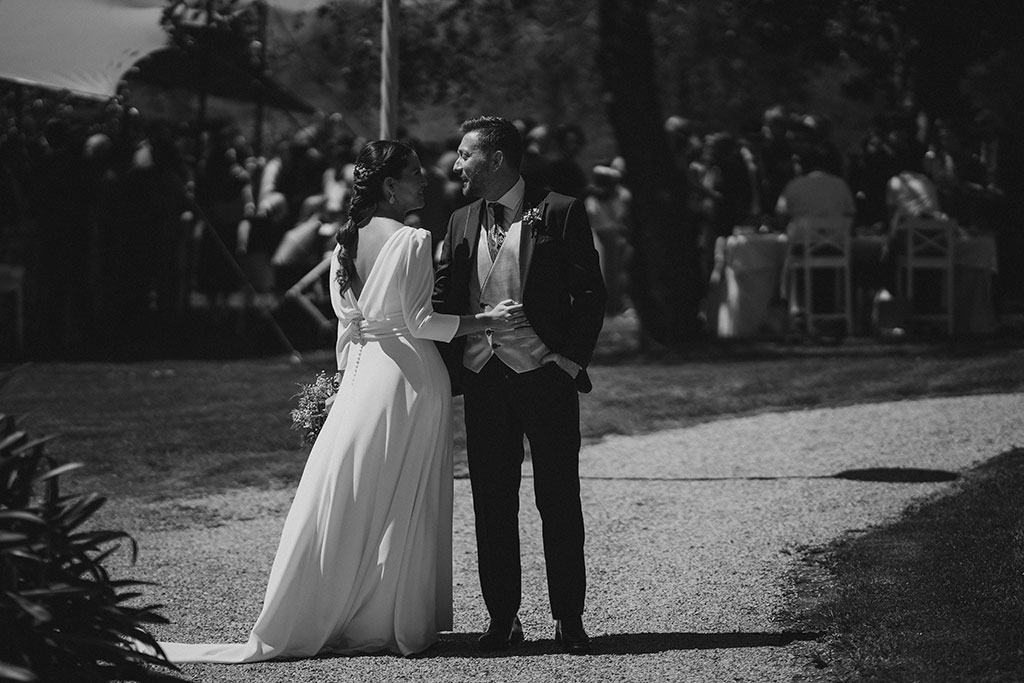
(87, 46)
(225, 77)
(83, 46)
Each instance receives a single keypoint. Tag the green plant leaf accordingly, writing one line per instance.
(57, 471)
(8, 538)
(81, 511)
(35, 446)
(124, 597)
(98, 538)
(16, 674)
(11, 441)
(25, 555)
(55, 590)
(37, 612)
(116, 649)
(73, 623)
(20, 516)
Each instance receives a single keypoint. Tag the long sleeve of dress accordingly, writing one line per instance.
(417, 287)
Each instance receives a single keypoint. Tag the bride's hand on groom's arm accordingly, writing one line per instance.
(507, 315)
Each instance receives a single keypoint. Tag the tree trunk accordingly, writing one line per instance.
(665, 284)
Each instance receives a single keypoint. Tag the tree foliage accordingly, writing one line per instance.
(721, 63)
(523, 58)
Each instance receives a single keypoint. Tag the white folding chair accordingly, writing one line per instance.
(927, 247)
(816, 244)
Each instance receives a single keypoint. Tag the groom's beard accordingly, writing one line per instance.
(474, 185)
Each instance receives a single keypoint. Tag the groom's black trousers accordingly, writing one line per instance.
(502, 406)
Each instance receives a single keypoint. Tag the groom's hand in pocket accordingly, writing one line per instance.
(569, 367)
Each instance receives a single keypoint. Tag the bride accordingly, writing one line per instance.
(364, 562)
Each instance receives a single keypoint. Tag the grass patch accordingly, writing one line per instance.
(935, 597)
(161, 427)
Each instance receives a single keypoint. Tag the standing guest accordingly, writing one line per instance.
(727, 182)
(607, 204)
(156, 206)
(777, 154)
(531, 245)
(105, 215)
(943, 161)
(869, 175)
(565, 175)
(60, 192)
(12, 193)
(535, 156)
(224, 193)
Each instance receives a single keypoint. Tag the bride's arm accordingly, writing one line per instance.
(501, 317)
(421, 318)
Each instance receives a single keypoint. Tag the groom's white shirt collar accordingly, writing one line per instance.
(513, 199)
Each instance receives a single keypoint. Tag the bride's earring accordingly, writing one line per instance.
(391, 199)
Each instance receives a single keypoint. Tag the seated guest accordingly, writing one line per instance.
(910, 193)
(815, 193)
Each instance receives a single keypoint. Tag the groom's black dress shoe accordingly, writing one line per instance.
(501, 635)
(569, 634)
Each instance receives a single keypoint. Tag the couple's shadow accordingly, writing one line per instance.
(464, 644)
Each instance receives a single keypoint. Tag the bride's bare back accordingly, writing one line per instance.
(372, 238)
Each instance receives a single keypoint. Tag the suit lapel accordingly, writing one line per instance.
(471, 230)
(533, 197)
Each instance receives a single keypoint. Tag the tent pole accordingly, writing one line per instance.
(261, 57)
(203, 78)
(389, 71)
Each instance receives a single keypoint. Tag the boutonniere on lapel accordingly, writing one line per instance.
(533, 219)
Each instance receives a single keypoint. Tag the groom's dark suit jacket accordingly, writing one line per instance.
(563, 291)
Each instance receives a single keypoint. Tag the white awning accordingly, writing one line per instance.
(85, 46)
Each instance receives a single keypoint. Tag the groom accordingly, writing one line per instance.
(534, 246)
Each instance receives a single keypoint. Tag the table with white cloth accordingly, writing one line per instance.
(749, 268)
(744, 283)
(974, 263)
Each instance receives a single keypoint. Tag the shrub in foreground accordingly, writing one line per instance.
(62, 617)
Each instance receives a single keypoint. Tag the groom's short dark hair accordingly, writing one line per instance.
(496, 133)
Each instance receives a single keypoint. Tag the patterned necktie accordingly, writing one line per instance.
(497, 232)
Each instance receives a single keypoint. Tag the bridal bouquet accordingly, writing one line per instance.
(315, 400)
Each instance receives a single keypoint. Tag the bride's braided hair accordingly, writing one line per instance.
(377, 160)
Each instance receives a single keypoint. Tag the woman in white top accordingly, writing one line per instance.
(910, 193)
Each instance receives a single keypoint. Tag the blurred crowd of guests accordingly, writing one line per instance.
(121, 221)
(117, 218)
(792, 166)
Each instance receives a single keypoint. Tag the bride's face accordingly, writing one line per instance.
(409, 187)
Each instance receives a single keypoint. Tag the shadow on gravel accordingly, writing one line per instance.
(897, 475)
(892, 475)
(933, 596)
(464, 644)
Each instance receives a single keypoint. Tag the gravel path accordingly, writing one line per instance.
(692, 536)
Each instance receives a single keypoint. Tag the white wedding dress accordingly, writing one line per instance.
(364, 562)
